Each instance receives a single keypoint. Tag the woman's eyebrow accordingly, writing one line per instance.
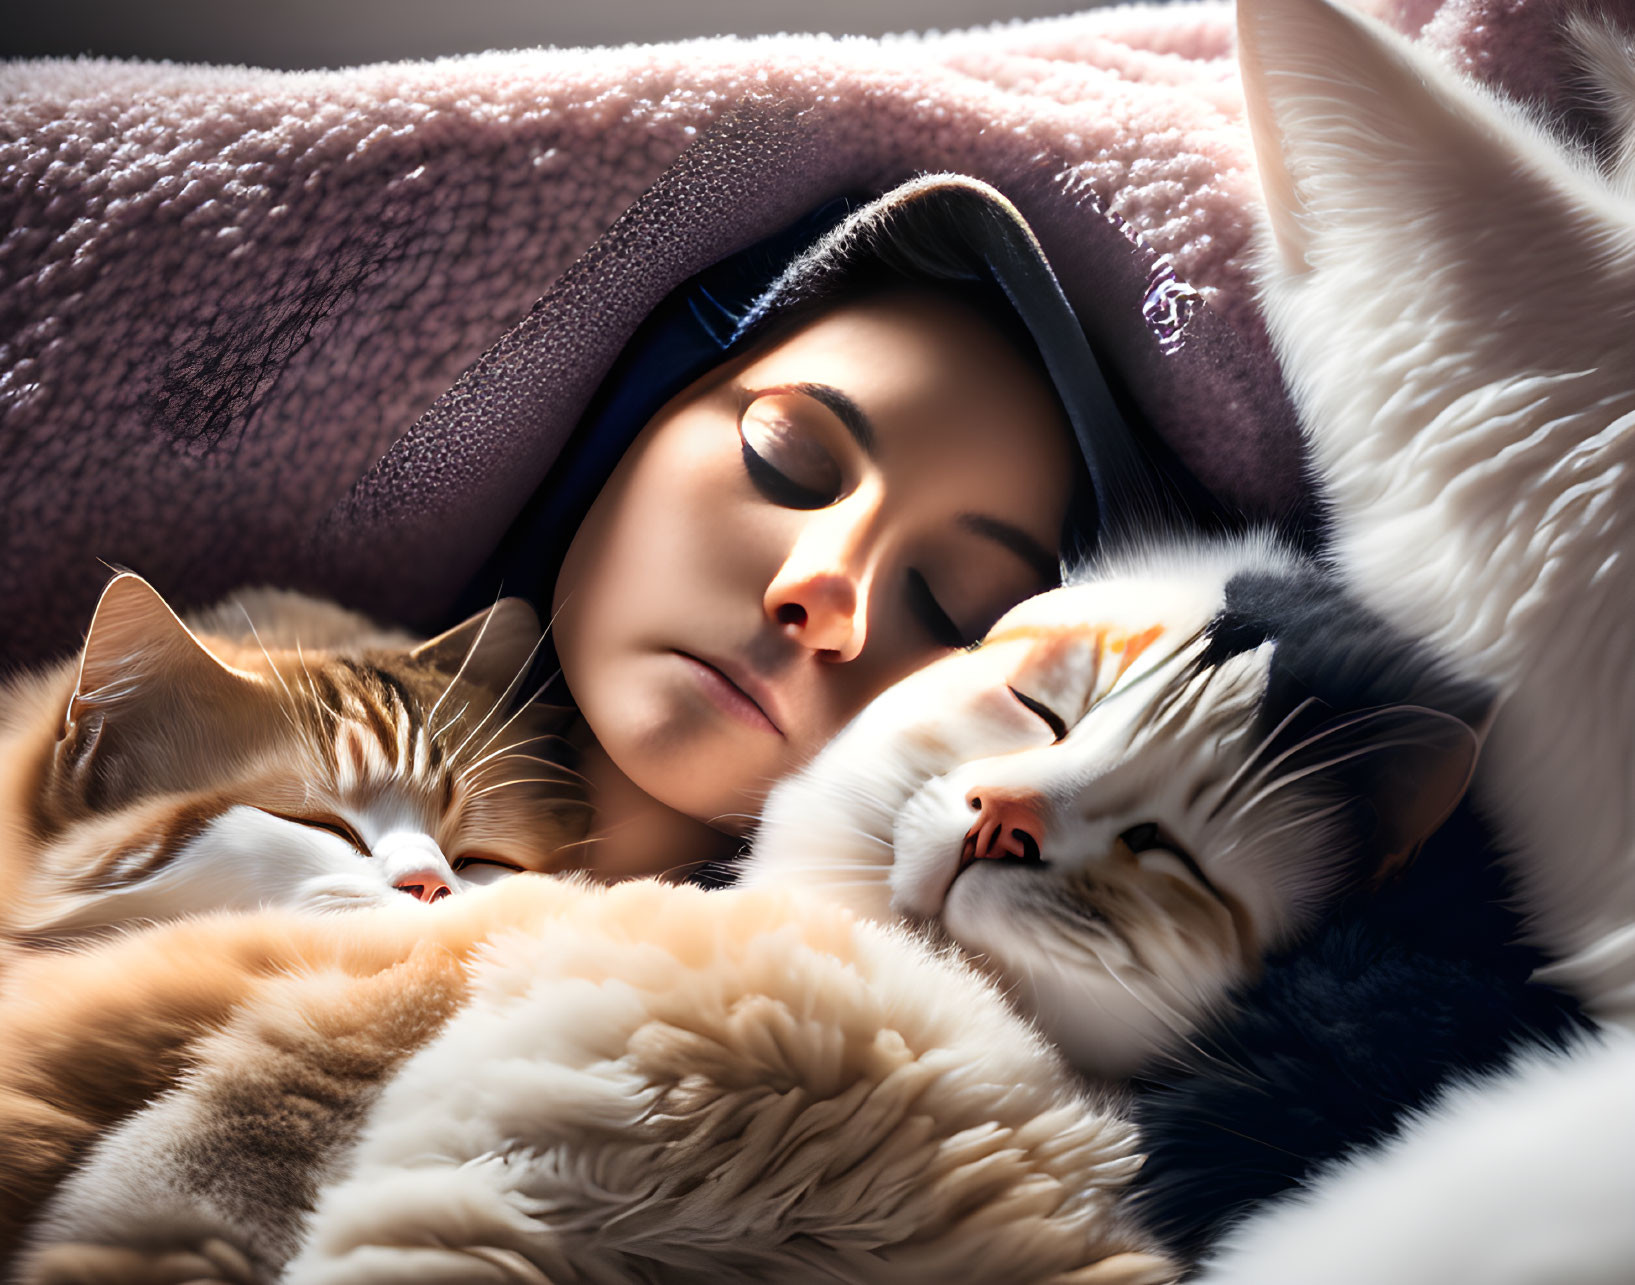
(848, 412)
(1017, 541)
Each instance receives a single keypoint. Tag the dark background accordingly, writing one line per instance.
(338, 33)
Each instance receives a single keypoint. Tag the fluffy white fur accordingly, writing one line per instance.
(1524, 1179)
(1451, 291)
(1452, 294)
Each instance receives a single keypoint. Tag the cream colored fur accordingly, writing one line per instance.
(647, 1083)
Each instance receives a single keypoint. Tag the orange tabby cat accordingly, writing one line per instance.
(282, 751)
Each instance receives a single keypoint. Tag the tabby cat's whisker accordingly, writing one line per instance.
(256, 634)
(504, 749)
(288, 713)
(459, 673)
(513, 685)
(521, 780)
(301, 659)
(581, 843)
(532, 758)
(111, 693)
(510, 691)
(733, 816)
(519, 711)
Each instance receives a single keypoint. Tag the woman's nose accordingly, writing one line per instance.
(820, 594)
(822, 611)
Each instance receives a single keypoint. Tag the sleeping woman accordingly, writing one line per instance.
(830, 460)
(895, 442)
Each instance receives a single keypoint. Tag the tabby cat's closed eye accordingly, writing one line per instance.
(326, 822)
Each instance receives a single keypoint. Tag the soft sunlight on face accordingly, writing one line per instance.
(796, 531)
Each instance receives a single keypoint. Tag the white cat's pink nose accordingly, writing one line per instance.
(1009, 823)
(423, 885)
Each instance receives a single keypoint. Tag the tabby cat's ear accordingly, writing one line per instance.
(1348, 120)
(491, 649)
(151, 706)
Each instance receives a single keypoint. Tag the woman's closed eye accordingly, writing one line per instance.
(789, 464)
(930, 613)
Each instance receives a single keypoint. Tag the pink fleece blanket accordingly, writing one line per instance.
(233, 302)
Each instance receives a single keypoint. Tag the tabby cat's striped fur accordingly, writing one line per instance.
(281, 752)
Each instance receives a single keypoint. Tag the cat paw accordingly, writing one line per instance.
(214, 1262)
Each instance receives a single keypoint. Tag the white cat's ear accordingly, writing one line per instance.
(1607, 55)
(1422, 783)
(1346, 116)
(1407, 765)
(1411, 764)
(146, 692)
(490, 649)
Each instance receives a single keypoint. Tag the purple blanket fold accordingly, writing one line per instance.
(235, 305)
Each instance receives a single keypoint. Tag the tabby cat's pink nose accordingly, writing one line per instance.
(1009, 823)
(423, 887)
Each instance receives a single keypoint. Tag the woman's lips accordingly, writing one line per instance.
(736, 694)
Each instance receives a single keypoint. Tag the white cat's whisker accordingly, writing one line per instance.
(1351, 724)
(1251, 759)
(1177, 1023)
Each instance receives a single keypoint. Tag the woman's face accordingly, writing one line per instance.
(798, 530)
